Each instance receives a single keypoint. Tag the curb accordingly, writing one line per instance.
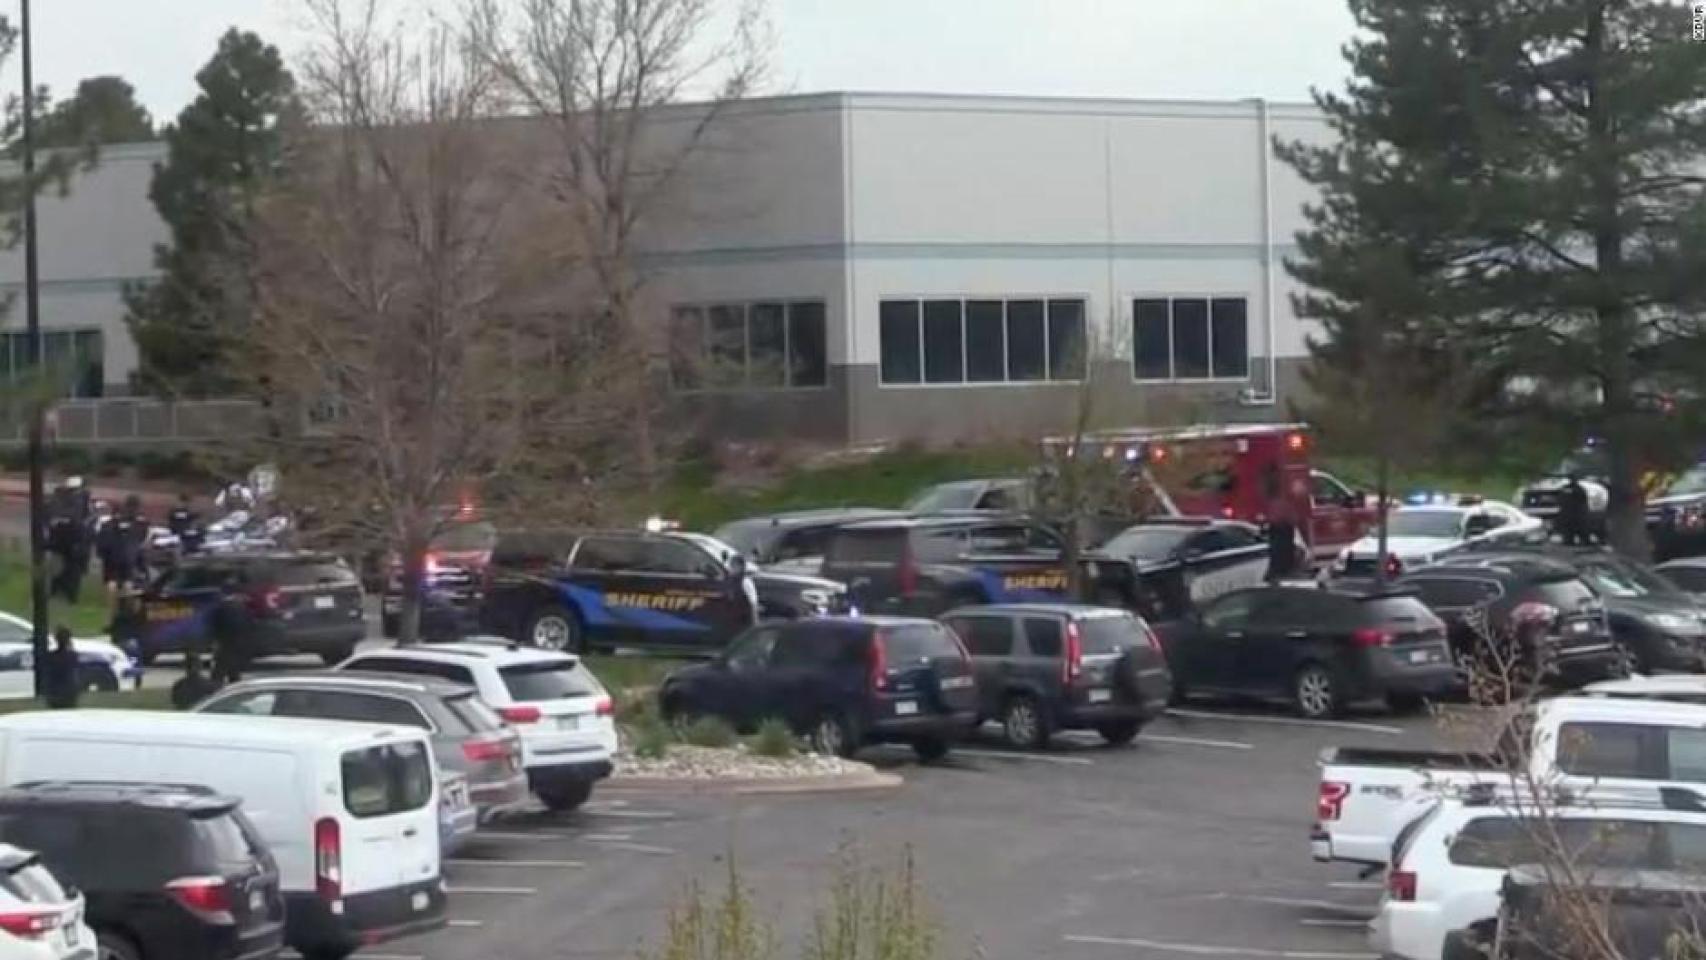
(755, 786)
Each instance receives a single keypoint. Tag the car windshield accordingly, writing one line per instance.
(1586, 462)
(1690, 481)
(1611, 581)
(1146, 543)
(747, 536)
(466, 538)
(1441, 524)
(716, 547)
(960, 495)
(550, 680)
(1113, 634)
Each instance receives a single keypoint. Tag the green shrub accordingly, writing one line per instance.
(728, 927)
(651, 738)
(710, 732)
(74, 460)
(635, 707)
(773, 739)
(113, 461)
(875, 915)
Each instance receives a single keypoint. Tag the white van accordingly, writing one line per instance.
(350, 811)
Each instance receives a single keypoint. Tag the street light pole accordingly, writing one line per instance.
(32, 357)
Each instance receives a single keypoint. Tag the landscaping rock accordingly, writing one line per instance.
(735, 763)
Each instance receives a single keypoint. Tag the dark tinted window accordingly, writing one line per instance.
(1607, 750)
(1147, 543)
(900, 343)
(472, 713)
(986, 636)
(117, 848)
(1451, 593)
(986, 341)
(916, 644)
(1692, 579)
(944, 344)
(610, 553)
(819, 648)
(1066, 344)
(804, 542)
(380, 781)
(1567, 595)
(867, 546)
(466, 537)
(1026, 340)
(198, 577)
(1231, 356)
(1403, 612)
(1190, 339)
(349, 707)
(225, 840)
(937, 546)
(808, 345)
(1110, 634)
(767, 345)
(751, 650)
(675, 557)
(419, 668)
(1152, 340)
(528, 682)
(725, 363)
(309, 574)
(1043, 636)
(1231, 612)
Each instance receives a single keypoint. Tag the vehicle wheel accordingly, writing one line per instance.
(1179, 694)
(834, 735)
(1627, 662)
(554, 628)
(113, 946)
(931, 749)
(326, 953)
(1024, 723)
(677, 714)
(1405, 704)
(1119, 733)
(1315, 693)
(337, 655)
(389, 625)
(563, 797)
(99, 681)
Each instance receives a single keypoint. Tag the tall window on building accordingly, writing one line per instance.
(960, 341)
(74, 358)
(765, 345)
(1190, 338)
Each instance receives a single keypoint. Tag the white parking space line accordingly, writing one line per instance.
(293, 955)
(493, 891)
(466, 924)
(638, 814)
(1032, 757)
(1357, 885)
(1195, 742)
(1327, 905)
(636, 847)
(517, 863)
(607, 836)
(1207, 950)
(1346, 924)
(1289, 721)
(522, 837)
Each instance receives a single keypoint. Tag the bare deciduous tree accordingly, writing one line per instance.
(598, 72)
(407, 311)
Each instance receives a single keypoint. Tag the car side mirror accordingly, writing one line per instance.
(1356, 499)
(738, 566)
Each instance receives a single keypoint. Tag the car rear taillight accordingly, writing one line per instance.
(1150, 637)
(206, 897)
(266, 600)
(1370, 637)
(606, 707)
(31, 924)
(1534, 612)
(520, 714)
(1401, 885)
(879, 662)
(908, 573)
(1394, 566)
(1330, 800)
(1073, 666)
(484, 751)
(328, 860)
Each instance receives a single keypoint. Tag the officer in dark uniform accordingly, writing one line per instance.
(68, 537)
(1573, 513)
(1282, 528)
(59, 676)
(120, 545)
(185, 524)
(228, 628)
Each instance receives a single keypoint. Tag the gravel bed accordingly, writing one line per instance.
(734, 763)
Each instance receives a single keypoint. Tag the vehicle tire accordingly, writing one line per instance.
(1119, 733)
(1024, 722)
(115, 946)
(1178, 695)
(835, 735)
(563, 797)
(1627, 662)
(677, 714)
(1406, 704)
(389, 626)
(1314, 692)
(98, 681)
(931, 749)
(553, 627)
(326, 952)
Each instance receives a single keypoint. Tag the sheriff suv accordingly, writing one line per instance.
(682, 592)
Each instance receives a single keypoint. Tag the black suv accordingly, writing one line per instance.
(290, 602)
(1047, 667)
(794, 542)
(168, 872)
(1492, 600)
(843, 682)
(682, 592)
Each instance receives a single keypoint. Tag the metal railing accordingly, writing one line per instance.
(127, 420)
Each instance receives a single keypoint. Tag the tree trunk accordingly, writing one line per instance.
(414, 590)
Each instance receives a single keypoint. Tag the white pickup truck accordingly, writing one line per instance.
(1367, 795)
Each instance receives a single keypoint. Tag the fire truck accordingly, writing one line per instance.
(1238, 472)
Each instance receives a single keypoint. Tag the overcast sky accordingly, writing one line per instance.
(1116, 48)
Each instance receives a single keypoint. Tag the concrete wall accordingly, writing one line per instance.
(95, 239)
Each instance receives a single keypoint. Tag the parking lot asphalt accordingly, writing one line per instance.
(1192, 843)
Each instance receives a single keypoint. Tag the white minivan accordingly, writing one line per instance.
(350, 811)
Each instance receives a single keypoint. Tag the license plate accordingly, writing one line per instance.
(568, 723)
(905, 708)
(956, 683)
(1420, 656)
(420, 901)
(1101, 696)
(325, 603)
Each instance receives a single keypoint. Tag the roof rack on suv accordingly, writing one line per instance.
(169, 796)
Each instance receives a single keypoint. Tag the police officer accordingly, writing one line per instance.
(227, 628)
(68, 536)
(1573, 513)
(120, 544)
(185, 524)
(59, 674)
(1282, 529)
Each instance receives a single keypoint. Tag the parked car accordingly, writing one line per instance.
(1572, 743)
(1047, 667)
(1670, 688)
(1645, 910)
(1449, 862)
(458, 818)
(1421, 534)
(661, 591)
(166, 871)
(349, 812)
(294, 602)
(1519, 610)
(843, 682)
(1318, 649)
(998, 495)
(100, 665)
(1676, 518)
(1187, 561)
(563, 714)
(40, 918)
(468, 737)
(1687, 574)
(453, 581)
(794, 542)
(1542, 497)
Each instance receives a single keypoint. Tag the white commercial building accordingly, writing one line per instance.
(861, 267)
